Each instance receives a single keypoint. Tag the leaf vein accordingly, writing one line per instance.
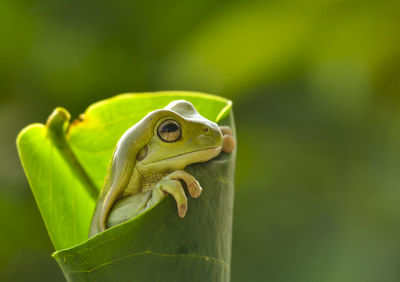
(148, 252)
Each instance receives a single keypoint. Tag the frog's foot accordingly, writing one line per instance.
(228, 142)
(171, 185)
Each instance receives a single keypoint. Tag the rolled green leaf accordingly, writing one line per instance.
(65, 165)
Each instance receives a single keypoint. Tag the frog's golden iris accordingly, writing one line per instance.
(169, 131)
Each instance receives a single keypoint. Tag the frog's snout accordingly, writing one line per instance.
(210, 135)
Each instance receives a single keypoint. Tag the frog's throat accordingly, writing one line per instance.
(195, 157)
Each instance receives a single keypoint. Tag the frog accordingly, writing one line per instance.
(149, 159)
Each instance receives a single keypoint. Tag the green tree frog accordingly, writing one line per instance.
(148, 162)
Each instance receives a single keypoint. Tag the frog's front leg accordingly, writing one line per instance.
(136, 204)
(171, 184)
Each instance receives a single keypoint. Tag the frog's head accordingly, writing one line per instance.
(180, 136)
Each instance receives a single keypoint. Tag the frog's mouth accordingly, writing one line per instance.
(185, 159)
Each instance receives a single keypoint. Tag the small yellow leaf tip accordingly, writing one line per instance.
(58, 120)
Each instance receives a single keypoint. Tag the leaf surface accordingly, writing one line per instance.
(61, 190)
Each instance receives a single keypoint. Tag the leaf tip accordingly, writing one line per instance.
(58, 120)
(24, 131)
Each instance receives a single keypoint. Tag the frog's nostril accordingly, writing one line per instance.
(206, 129)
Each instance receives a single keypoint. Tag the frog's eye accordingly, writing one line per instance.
(169, 131)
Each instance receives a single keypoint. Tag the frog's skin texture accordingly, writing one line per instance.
(149, 159)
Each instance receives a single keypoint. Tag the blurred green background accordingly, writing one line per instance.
(315, 86)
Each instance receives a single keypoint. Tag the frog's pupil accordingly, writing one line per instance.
(170, 127)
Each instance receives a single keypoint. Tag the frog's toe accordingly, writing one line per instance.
(182, 209)
(192, 184)
(174, 187)
(194, 188)
(228, 144)
(225, 130)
